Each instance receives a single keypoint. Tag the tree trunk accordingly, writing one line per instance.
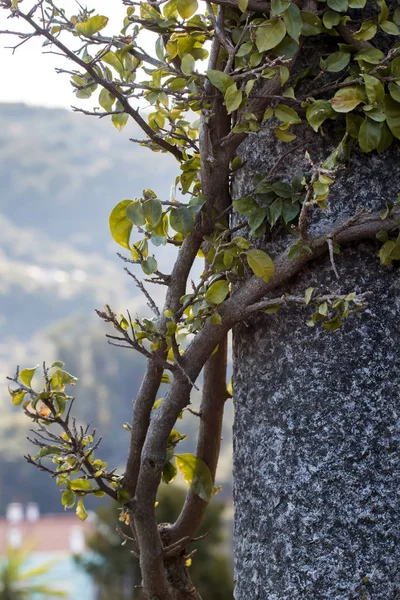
(316, 473)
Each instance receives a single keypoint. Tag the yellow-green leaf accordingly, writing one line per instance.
(217, 292)
(68, 499)
(366, 32)
(318, 112)
(81, 485)
(346, 99)
(233, 98)
(286, 114)
(187, 64)
(196, 474)
(261, 264)
(390, 28)
(119, 120)
(106, 100)
(80, 510)
(186, 8)
(26, 375)
(18, 398)
(91, 26)
(120, 225)
(269, 34)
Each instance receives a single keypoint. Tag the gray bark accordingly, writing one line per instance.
(316, 465)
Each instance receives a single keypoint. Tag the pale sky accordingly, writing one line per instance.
(28, 75)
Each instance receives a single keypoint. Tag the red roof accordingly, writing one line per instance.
(50, 533)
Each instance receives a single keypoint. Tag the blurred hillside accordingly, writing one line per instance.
(60, 176)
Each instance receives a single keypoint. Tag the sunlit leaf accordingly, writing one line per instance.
(261, 264)
(196, 474)
(80, 510)
(120, 225)
(217, 292)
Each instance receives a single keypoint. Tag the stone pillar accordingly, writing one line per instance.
(316, 432)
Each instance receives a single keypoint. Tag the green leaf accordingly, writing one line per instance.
(220, 80)
(337, 62)
(353, 124)
(293, 21)
(338, 5)
(275, 211)
(81, 485)
(374, 89)
(331, 160)
(57, 363)
(196, 474)
(181, 220)
(390, 28)
(68, 499)
(372, 56)
(216, 318)
(269, 34)
(120, 225)
(307, 296)
(384, 12)
(47, 451)
(186, 8)
(330, 19)
(152, 211)
(119, 120)
(318, 112)
(286, 114)
(243, 4)
(369, 135)
(279, 6)
(112, 59)
(134, 213)
(333, 324)
(26, 375)
(357, 3)
(123, 496)
(311, 24)
(169, 472)
(392, 112)
(91, 26)
(80, 510)
(149, 265)
(394, 91)
(233, 98)
(246, 206)
(366, 32)
(18, 398)
(217, 292)
(61, 378)
(261, 264)
(346, 99)
(187, 64)
(106, 100)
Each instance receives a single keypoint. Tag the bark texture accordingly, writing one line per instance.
(316, 464)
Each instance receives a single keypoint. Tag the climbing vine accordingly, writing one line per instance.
(218, 73)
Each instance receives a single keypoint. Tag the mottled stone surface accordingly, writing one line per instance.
(316, 433)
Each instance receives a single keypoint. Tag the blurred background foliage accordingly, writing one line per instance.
(116, 570)
(60, 176)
